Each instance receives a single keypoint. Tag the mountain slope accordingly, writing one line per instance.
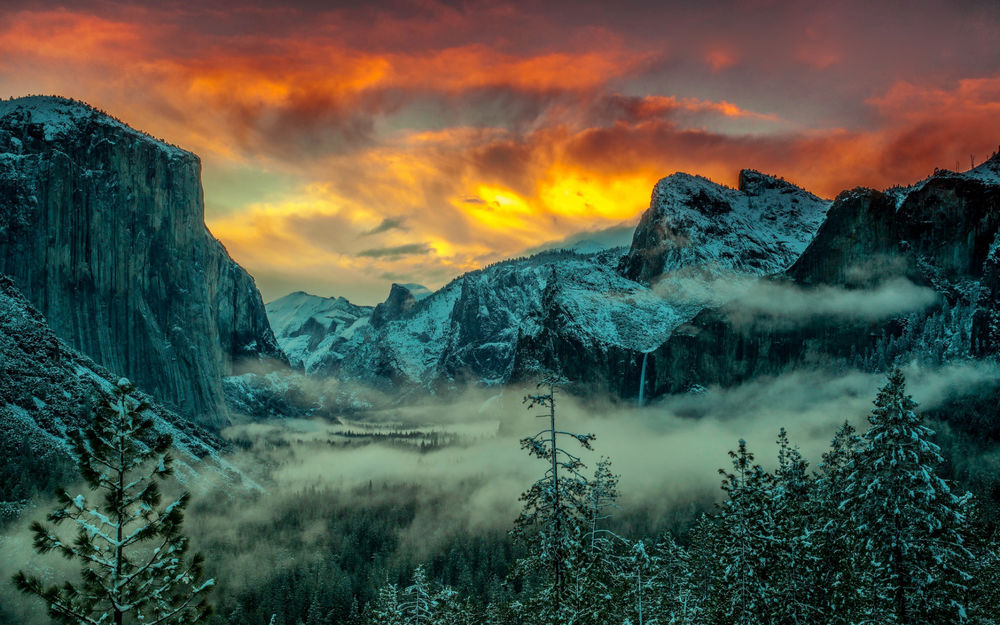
(102, 228)
(302, 321)
(46, 390)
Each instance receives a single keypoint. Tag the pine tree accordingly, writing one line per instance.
(315, 614)
(677, 600)
(130, 547)
(707, 566)
(553, 521)
(353, 616)
(746, 548)
(641, 584)
(385, 609)
(792, 595)
(834, 537)
(912, 557)
(594, 564)
(418, 605)
(985, 590)
(602, 493)
(451, 609)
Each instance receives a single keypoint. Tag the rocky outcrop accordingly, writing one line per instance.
(759, 228)
(940, 234)
(399, 302)
(102, 228)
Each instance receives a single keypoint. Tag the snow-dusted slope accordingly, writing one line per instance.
(47, 389)
(759, 228)
(474, 323)
(302, 321)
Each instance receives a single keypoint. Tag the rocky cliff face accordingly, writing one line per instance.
(47, 389)
(399, 302)
(759, 228)
(940, 234)
(103, 229)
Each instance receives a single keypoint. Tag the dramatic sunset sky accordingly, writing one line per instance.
(345, 148)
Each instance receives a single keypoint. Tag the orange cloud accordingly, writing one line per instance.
(483, 144)
(720, 59)
(63, 35)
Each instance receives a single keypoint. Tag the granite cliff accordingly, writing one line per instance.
(941, 235)
(102, 228)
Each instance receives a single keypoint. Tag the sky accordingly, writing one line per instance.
(346, 146)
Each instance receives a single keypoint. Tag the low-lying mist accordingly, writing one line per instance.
(456, 468)
(664, 451)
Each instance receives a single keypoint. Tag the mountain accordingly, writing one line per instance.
(591, 316)
(760, 227)
(940, 236)
(46, 390)
(102, 228)
(307, 325)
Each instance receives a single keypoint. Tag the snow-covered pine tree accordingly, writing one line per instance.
(984, 592)
(553, 521)
(315, 616)
(602, 493)
(353, 615)
(793, 596)
(912, 559)
(418, 605)
(452, 609)
(131, 548)
(639, 575)
(707, 568)
(385, 609)
(834, 538)
(595, 565)
(676, 601)
(747, 548)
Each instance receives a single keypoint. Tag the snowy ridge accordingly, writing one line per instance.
(987, 173)
(474, 327)
(475, 322)
(302, 321)
(56, 117)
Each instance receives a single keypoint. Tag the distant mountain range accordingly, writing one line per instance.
(590, 315)
(102, 230)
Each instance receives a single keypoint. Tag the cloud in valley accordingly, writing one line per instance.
(667, 455)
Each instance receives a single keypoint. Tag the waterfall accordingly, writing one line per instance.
(642, 379)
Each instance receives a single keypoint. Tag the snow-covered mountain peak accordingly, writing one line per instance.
(753, 182)
(418, 291)
(302, 321)
(987, 172)
(761, 227)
